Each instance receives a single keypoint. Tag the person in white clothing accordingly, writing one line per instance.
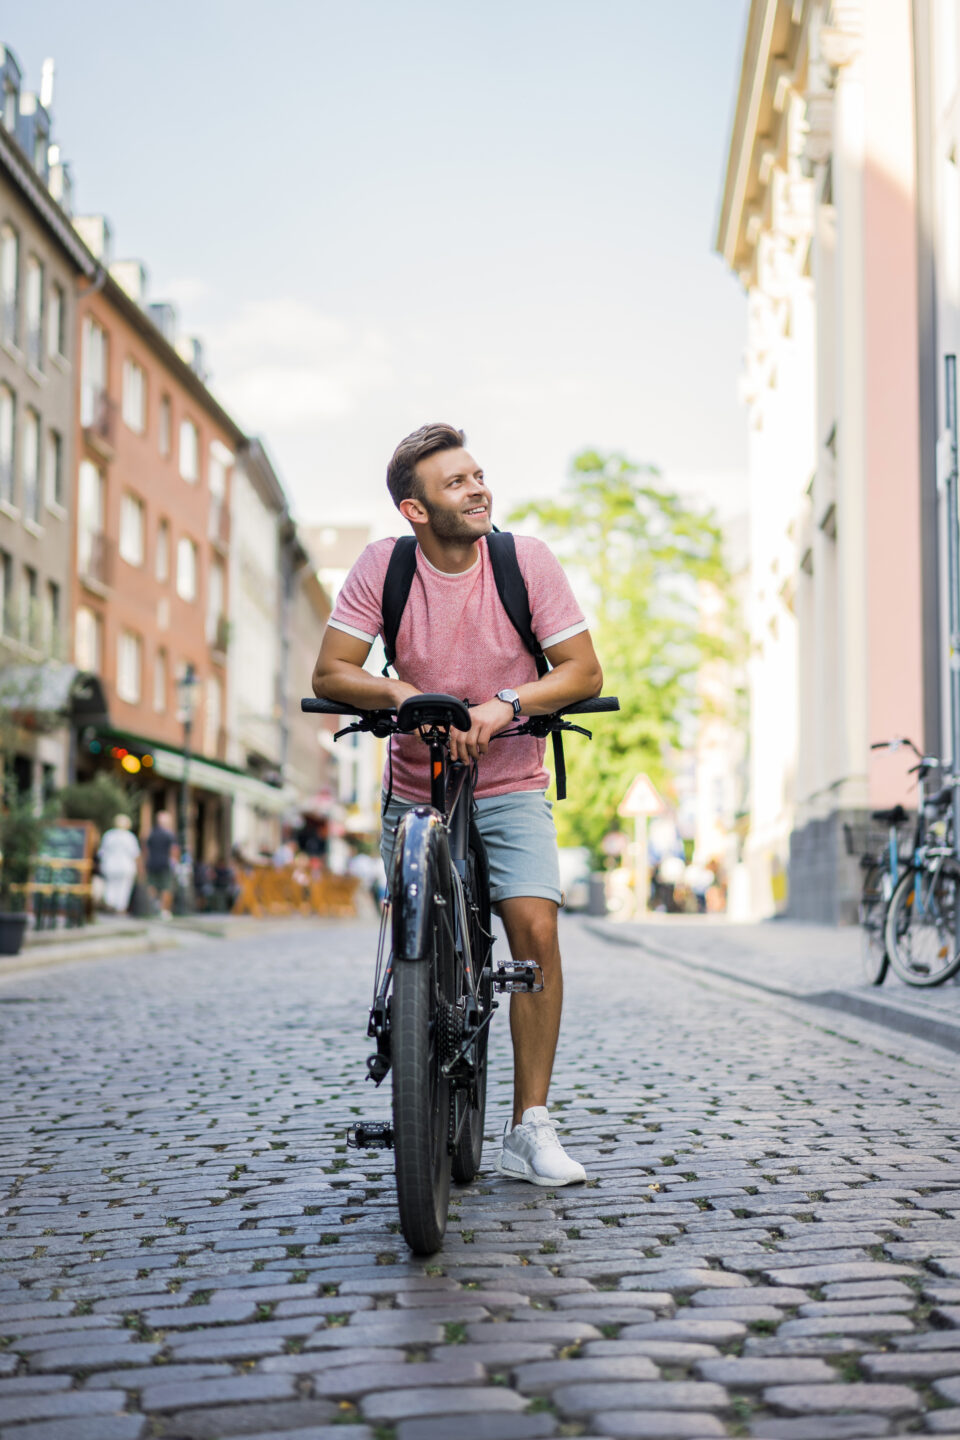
(119, 856)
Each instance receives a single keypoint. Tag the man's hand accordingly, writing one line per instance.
(488, 720)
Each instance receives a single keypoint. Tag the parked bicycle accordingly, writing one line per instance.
(435, 978)
(908, 899)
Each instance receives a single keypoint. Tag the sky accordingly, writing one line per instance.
(378, 213)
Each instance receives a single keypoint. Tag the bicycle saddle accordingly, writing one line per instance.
(896, 816)
(425, 710)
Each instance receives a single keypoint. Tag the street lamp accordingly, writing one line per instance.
(186, 703)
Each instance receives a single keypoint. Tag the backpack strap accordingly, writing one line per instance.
(396, 589)
(512, 590)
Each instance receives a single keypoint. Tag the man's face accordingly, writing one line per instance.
(455, 496)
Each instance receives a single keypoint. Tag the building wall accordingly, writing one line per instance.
(830, 191)
(43, 544)
(128, 599)
(37, 542)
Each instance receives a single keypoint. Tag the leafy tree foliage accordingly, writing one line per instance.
(641, 560)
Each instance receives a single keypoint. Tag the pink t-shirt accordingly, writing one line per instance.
(455, 638)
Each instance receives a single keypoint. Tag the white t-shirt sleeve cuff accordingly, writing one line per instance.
(352, 630)
(561, 635)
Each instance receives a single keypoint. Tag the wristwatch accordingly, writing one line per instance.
(510, 697)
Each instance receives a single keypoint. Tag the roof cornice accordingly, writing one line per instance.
(55, 220)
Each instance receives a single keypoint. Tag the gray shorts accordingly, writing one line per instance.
(520, 839)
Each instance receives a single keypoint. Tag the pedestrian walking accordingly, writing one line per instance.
(162, 853)
(455, 636)
(119, 857)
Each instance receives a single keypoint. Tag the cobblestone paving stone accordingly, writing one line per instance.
(768, 1246)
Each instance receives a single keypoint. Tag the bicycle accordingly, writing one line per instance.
(435, 979)
(921, 934)
(880, 863)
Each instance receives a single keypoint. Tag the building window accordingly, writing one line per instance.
(10, 99)
(30, 620)
(134, 396)
(132, 525)
(8, 432)
(57, 321)
(163, 551)
(160, 681)
(129, 648)
(215, 605)
(90, 517)
(52, 626)
(186, 569)
(30, 461)
(189, 451)
(54, 469)
(88, 641)
(211, 718)
(34, 297)
(7, 619)
(166, 426)
(10, 285)
(93, 373)
(220, 459)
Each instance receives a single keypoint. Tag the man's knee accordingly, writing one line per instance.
(533, 934)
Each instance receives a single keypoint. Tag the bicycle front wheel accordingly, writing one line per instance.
(873, 945)
(423, 989)
(921, 925)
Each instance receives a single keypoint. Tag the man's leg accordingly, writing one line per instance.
(531, 926)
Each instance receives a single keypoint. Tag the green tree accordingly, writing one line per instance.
(638, 556)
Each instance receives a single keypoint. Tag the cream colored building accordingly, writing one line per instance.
(819, 222)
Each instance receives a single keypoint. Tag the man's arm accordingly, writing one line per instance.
(339, 675)
(576, 675)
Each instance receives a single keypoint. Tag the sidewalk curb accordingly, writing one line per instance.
(865, 1007)
(29, 961)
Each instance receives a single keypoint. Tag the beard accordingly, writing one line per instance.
(453, 525)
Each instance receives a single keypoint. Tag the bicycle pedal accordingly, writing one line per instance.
(518, 979)
(370, 1135)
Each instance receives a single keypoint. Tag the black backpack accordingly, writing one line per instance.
(512, 590)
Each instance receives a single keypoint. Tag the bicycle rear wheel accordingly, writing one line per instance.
(421, 1094)
(469, 1148)
(873, 945)
(921, 925)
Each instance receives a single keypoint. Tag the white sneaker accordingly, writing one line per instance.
(531, 1151)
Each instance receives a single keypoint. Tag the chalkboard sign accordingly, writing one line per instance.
(68, 840)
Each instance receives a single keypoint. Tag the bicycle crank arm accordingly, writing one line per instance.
(370, 1135)
(526, 978)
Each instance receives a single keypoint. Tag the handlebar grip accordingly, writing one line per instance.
(312, 706)
(595, 706)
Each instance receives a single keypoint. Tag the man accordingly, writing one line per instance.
(162, 852)
(455, 637)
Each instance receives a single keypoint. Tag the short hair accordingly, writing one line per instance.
(402, 479)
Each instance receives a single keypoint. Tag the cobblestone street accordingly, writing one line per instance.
(768, 1244)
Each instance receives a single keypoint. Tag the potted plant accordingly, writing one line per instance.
(21, 833)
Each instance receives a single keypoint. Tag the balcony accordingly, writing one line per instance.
(218, 525)
(218, 636)
(99, 415)
(95, 561)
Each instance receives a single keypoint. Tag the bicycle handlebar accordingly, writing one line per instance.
(312, 706)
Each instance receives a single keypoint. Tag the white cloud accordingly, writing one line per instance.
(283, 365)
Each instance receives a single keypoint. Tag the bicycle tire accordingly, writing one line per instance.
(873, 944)
(468, 1153)
(922, 951)
(421, 1095)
